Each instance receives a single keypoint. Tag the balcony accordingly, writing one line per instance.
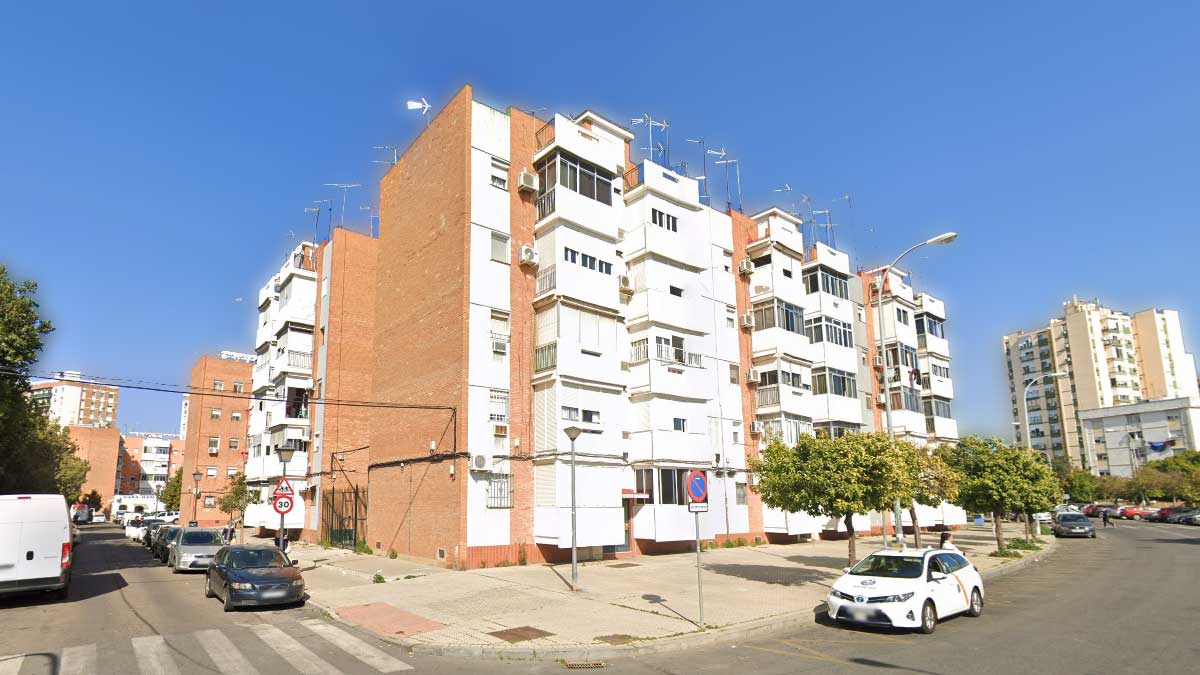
(545, 204)
(678, 355)
(678, 246)
(780, 341)
(543, 136)
(767, 396)
(300, 360)
(545, 357)
(941, 427)
(589, 214)
(545, 280)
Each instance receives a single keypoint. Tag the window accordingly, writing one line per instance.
(902, 315)
(605, 267)
(214, 414)
(498, 405)
(591, 416)
(939, 370)
(218, 385)
(235, 415)
(834, 381)
(907, 357)
(937, 407)
(588, 261)
(498, 492)
(677, 291)
(214, 443)
(500, 182)
(734, 371)
(664, 220)
(499, 248)
(638, 350)
(645, 485)
(209, 501)
(739, 492)
(231, 471)
(211, 472)
(829, 329)
(761, 261)
(821, 279)
(907, 399)
(570, 255)
(571, 414)
(233, 443)
(679, 424)
(575, 175)
(671, 482)
(239, 387)
(787, 273)
(778, 314)
(931, 325)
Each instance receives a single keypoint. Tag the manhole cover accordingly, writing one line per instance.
(521, 634)
(624, 565)
(616, 639)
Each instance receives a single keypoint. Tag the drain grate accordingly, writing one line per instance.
(584, 665)
(620, 566)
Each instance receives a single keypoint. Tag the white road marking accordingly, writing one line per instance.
(78, 660)
(372, 656)
(153, 656)
(224, 654)
(293, 652)
(11, 665)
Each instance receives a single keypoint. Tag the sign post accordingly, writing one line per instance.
(282, 502)
(697, 492)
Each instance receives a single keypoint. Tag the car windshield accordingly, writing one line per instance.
(201, 538)
(253, 558)
(1073, 518)
(170, 532)
(895, 566)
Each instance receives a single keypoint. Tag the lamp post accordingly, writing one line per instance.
(284, 452)
(196, 476)
(573, 433)
(944, 238)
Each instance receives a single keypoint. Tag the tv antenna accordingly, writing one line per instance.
(421, 105)
(650, 123)
(345, 188)
(328, 207)
(395, 154)
(316, 211)
(704, 176)
(738, 168)
(372, 214)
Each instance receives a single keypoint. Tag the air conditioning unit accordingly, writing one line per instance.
(528, 255)
(752, 376)
(757, 427)
(481, 463)
(500, 429)
(527, 181)
(499, 347)
(747, 320)
(878, 361)
(746, 267)
(625, 283)
(880, 399)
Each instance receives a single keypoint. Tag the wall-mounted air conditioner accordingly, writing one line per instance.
(528, 255)
(747, 320)
(481, 463)
(757, 427)
(746, 267)
(879, 398)
(527, 181)
(499, 347)
(752, 376)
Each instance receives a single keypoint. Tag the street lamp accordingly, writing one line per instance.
(284, 453)
(944, 238)
(573, 433)
(196, 476)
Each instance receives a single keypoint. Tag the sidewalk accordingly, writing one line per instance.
(624, 607)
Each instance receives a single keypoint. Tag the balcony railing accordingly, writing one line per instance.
(546, 280)
(545, 204)
(299, 360)
(632, 178)
(545, 357)
(676, 354)
(768, 395)
(544, 136)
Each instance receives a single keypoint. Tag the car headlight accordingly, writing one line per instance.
(299, 583)
(239, 586)
(844, 596)
(904, 597)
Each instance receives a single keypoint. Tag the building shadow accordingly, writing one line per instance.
(770, 574)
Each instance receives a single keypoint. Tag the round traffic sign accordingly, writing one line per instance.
(282, 504)
(697, 486)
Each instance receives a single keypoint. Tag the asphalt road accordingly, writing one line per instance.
(1124, 602)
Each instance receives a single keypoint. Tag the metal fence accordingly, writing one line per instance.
(344, 516)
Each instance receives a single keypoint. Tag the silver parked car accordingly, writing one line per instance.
(194, 548)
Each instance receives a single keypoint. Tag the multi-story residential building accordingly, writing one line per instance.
(217, 421)
(540, 298)
(151, 454)
(282, 383)
(101, 447)
(183, 415)
(74, 400)
(1119, 439)
(1109, 359)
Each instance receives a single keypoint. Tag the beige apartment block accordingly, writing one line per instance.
(1107, 357)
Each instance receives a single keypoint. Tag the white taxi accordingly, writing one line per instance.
(907, 589)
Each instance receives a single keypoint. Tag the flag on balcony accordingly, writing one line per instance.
(914, 376)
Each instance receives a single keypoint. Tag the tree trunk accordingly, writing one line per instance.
(912, 512)
(853, 552)
(1032, 527)
(999, 529)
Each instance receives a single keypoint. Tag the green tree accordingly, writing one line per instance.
(936, 481)
(71, 474)
(1083, 486)
(1040, 488)
(93, 500)
(171, 491)
(236, 495)
(991, 478)
(855, 473)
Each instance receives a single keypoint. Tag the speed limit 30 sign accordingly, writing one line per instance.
(282, 504)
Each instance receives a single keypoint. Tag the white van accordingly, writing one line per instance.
(35, 544)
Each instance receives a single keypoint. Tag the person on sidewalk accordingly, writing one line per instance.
(948, 542)
(1104, 517)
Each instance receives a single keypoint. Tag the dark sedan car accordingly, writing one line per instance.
(164, 536)
(1074, 525)
(253, 576)
(1178, 516)
(152, 526)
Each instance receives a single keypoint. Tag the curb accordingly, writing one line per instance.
(1024, 562)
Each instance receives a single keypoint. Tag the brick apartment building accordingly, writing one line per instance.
(101, 447)
(218, 411)
(73, 400)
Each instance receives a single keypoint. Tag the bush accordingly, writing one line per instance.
(362, 548)
(504, 563)
(740, 542)
(392, 553)
(1005, 553)
(378, 578)
(521, 556)
(1023, 545)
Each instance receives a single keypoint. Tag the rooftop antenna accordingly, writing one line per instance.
(316, 211)
(533, 112)
(650, 123)
(666, 132)
(738, 168)
(704, 177)
(828, 225)
(371, 216)
(721, 154)
(344, 187)
(395, 154)
(328, 207)
(421, 105)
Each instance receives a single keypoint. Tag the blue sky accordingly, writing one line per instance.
(154, 158)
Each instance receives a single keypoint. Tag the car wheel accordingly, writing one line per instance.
(61, 594)
(208, 586)
(228, 604)
(976, 607)
(928, 618)
(1092, 535)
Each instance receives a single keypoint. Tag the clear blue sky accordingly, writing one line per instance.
(152, 160)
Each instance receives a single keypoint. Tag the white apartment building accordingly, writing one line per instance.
(1119, 439)
(154, 457)
(282, 381)
(74, 400)
(902, 365)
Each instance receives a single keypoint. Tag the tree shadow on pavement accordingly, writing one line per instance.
(1194, 541)
(883, 664)
(95, 585)
(770, 574)
(827, 562)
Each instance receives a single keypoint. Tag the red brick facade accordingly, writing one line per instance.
(201, 427)
(99, 447)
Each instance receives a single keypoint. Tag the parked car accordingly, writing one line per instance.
(194, 548)
(255, 575)
(99, 517)
(83, 515)
(1074, 525)
(1161, 515)
(908, 589)
(149, 525)
(1043, 517)
(132, 527)
(1094, 511)
(164, 539)
(1178, 516)
(36, 548)
(1193, 519)
(1135, 512)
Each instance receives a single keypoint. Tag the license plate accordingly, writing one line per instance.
(1079, 529)
(271, 595)
(858, 613)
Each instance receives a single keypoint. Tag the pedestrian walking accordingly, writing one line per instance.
(1104, 517)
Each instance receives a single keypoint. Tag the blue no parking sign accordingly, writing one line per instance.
(697, 491)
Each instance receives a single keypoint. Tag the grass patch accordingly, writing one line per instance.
(361, 548)
(1005, 553)
(1023, 545)
(378, 578)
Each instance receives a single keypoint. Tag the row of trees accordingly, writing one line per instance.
(857, 473)
(36, 454)
(1173, 479)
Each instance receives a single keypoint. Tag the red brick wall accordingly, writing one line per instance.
(201, 427)
(421, 339)
(100, 447)
(131, 473)
(868, 282)
(742, 228)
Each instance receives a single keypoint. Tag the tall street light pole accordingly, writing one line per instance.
(573, 433)
(196, 476)
(285, 455)
(944, 238)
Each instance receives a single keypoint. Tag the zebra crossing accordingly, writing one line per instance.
(308, 647)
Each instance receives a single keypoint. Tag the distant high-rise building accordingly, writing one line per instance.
(73, 400)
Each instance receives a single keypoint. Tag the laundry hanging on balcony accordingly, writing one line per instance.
(914, 377)
(1159, 446)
